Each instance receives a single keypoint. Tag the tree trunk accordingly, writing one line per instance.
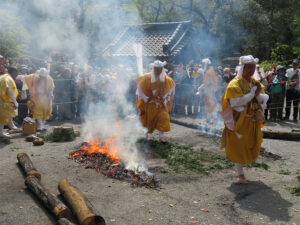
(64, 221)
(48, 199)
(158, 11)
(79, 204)
(27, 165)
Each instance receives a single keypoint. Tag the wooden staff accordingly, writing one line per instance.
(27, 165)
(48, 199)
(79, 204)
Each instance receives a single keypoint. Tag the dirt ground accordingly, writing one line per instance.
(265, 200)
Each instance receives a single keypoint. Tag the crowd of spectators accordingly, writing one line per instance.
(76, 86)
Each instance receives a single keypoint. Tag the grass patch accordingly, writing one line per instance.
(184, 159)
(50, 137)
(284, 172)
(295, 190)
(263, 166)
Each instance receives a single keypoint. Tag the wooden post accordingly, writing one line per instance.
(27, 165)
(48, 199)
(291, 136)
(79, 204)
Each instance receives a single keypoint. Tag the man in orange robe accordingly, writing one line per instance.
(155, 91)
(8, 103)
(40, 86)
(243, 103)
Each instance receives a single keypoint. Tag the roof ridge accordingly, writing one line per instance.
(160, 23)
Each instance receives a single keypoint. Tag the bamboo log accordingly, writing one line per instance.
(64, 221)
(292, 136)
(27, 165)
(59, 209)
(79, 204)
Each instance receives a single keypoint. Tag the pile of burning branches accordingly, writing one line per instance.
(103, 157)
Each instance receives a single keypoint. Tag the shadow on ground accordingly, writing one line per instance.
(257, 197)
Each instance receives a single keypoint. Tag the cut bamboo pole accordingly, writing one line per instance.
(79, 204)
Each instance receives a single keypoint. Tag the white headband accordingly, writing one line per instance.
(158, 63)
(205, 63)
(43, 72)
(248, 59)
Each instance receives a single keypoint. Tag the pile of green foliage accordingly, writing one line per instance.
(50, 137)
(183, 158)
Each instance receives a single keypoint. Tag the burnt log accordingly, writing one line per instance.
(291, 136)
(79, 204)
(59, 209)
(27, 165)
(64, 221)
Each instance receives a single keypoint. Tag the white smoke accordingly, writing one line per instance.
(75, 28)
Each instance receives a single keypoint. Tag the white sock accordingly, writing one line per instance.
(2, 133)
(39, 124)
(239, 168)
(161, 134)
(12, 124)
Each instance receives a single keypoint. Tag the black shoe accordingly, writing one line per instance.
(295, 121)
(286, 118)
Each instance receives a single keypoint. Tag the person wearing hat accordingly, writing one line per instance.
(243, 103)
(23, 96)
(8, 102)
(208, 91)
(66, 93)
(277, 89)
(155, 92)
(293, 88)
(40, 86)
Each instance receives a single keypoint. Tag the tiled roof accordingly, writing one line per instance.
(158, 39)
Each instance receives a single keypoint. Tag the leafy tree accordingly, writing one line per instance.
(296, 32)
(13, 36)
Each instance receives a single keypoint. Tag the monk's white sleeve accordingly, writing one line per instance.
(262, 100)
(21, 78)
(12, 96)
(228, 117)
(140, 94)
(239, 103)
(168, 96)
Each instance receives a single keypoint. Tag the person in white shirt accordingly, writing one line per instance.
(293, 89)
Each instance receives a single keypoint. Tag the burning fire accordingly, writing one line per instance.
(95, 146)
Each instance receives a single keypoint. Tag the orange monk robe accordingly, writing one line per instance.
(243, 143)
(211, 86)
(40, 90)
(7, 110)
(154, 112)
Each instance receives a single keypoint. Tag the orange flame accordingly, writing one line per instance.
(95, 146)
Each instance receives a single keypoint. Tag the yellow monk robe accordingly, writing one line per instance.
(211, 85)
(40, 93)
(243, 150)
(154, 114)
(7, 110)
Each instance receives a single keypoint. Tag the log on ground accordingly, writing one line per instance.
(64, 221)
(59, 209)
(27, 165)
(79, 204)
(291, 136)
